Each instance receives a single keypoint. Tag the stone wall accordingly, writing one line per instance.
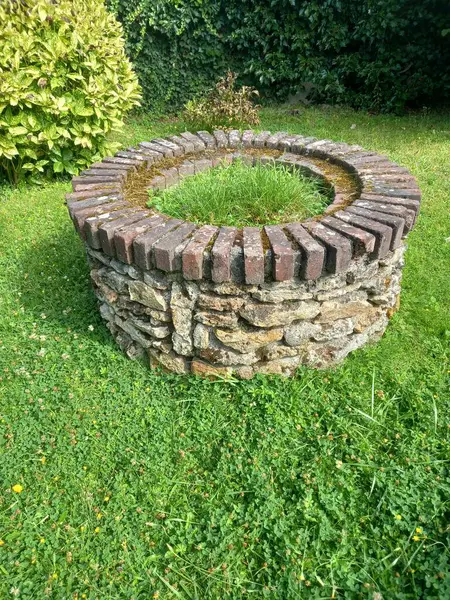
(222, 301)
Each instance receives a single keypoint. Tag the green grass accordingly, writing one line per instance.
(240, 195)
(270, 488)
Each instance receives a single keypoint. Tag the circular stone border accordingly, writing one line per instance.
(227, 300)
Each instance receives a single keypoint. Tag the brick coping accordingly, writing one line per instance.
(368, 220)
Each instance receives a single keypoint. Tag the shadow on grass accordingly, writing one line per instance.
(52, 278)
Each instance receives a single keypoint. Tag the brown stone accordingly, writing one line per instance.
(227, 357)
(144, 294)
(298, 333)
(331, 311)
(248, 341)
(229, 320)
(211, 302)
(266, 315)
(204, 369)
(170, 361)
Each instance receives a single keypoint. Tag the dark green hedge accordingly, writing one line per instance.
(372, 54)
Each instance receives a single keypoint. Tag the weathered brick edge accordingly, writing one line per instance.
(381, 213)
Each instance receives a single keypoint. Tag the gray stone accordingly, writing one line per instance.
(227, 357)
(170, 361)
(156, 280)
(201, 336)
(265, 315)
(228, 320)
(244, 340)
(339, 328)
(181, 307)
(147, 295)
(155, 331)
(332, 311)
(115, 281)
(182, 345)
(132, 331)
(298, 333)
(162, 345)
(278, 295)
(135, 351)
(118, 266)
(106, 311)
(133, 272)
(98, 255)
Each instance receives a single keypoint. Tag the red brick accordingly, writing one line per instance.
(118, 174)
(113, 166)
(221, 254)
(188, 146)
(253, 255)
(117, 160)
(124, 237)
(92, 223)
(159, 148)
(247, 138)
(207, 138)
(396, 223)
(107, 230)
(221, 138)
(382, 232)
(193, 254)
(79, 182)
(176, 149)
(142, 245)
(406, 202)
(363, 241)
(338, 248)
(167, 251)
(194, 139)
(77, 205)
(312, 253)
(79, 216)
(283, 254)
(85, 194)
(395, 192)
(399, 211)
(136, 155)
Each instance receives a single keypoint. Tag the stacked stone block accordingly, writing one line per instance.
(228, 301)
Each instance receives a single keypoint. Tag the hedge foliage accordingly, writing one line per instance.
(371, 54)
(65, 83)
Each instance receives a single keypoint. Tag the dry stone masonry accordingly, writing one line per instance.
(221, 301)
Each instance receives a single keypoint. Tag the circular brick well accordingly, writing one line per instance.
(225, 300)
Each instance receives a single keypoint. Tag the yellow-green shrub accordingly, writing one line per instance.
(65, 83)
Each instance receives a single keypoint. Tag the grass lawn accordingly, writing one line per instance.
(138, 485)
(243, 196)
